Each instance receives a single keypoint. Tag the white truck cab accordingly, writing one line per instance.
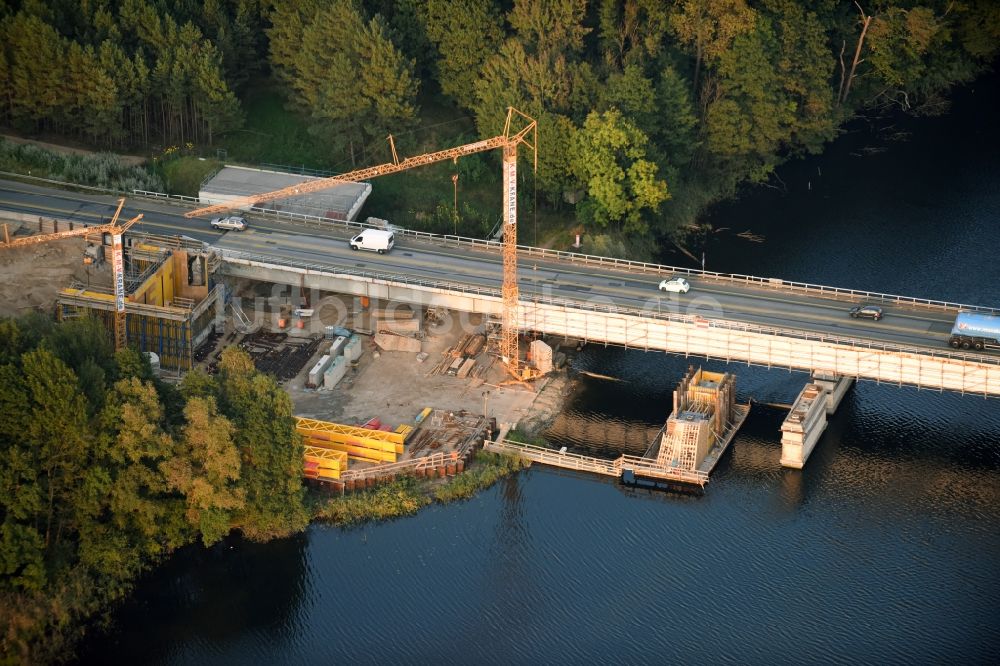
(375, 240)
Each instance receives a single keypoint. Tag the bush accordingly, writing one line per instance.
(400, 498)
(104, 170)
(184, 175)
(488, 469)
(408, 495)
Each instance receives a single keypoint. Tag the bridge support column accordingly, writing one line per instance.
(836, 386)
(807, 420)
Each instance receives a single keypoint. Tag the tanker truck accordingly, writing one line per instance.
(975, 330)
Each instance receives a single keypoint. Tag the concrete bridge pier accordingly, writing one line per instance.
(836, 387)
(807, 419)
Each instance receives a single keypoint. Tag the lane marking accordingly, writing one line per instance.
(749, 294)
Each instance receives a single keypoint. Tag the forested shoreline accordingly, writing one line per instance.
(105, 470)
(648, 109)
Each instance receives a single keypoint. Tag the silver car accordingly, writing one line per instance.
(233, 223)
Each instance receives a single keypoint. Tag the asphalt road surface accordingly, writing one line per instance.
(760, 305)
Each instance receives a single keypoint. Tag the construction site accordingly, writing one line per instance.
(385, 389)
(380, 388)
(152, 293)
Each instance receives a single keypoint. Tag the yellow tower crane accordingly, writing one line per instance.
(117, 258)
(518, 128)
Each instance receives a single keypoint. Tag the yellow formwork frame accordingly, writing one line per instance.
(354, 451)
(303, 423)
(345, 434)
(329, 463)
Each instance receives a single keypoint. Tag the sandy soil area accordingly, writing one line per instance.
(396, 386)
(31, 277)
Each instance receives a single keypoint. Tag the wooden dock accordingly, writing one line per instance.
(739, 415)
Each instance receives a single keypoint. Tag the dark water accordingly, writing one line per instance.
(884, 549)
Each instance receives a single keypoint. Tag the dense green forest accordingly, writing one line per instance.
(105, 470)
(647, 109)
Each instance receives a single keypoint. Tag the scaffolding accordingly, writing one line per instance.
(704, 407)
(166, 311)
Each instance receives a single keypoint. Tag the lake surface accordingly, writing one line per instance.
(885, 548)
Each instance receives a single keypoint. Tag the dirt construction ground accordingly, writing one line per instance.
(395, 387)
(31, 277)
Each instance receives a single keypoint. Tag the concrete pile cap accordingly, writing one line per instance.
(398, 326)
(390, 342)
(539, 349)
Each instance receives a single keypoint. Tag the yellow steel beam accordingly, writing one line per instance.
(361, 452)
(308, 427)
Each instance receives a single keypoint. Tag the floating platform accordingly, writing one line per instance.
(632, 470)
(704, 421)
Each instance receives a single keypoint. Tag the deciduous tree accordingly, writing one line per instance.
(609, 155)
(270, 449)
(205, 469)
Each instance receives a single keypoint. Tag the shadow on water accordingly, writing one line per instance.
(214, 596)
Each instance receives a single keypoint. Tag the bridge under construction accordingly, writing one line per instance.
(702, 424)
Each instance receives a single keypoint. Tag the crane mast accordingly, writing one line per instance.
(117, 259)
(509, 290)
(518, 129)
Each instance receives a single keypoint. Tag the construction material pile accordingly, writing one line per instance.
(466, 359)
(396, 330)
(364, 444)
(278, 354)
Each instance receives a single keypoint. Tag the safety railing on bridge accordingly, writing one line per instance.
(624, 265)
(605, 308)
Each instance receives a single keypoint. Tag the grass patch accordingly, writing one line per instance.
(487, 470)
(408, 495)
(521, 437)
(104, 170)
(400, 498)
(184, 175)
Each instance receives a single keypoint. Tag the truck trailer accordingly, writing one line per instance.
(975, 330)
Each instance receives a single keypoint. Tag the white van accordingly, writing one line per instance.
(373, 239)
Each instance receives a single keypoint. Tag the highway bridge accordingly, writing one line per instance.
(760, 321)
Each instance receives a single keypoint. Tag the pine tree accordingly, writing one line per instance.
(466, 33)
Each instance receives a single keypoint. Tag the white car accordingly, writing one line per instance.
(677, 285)
(234, 222)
